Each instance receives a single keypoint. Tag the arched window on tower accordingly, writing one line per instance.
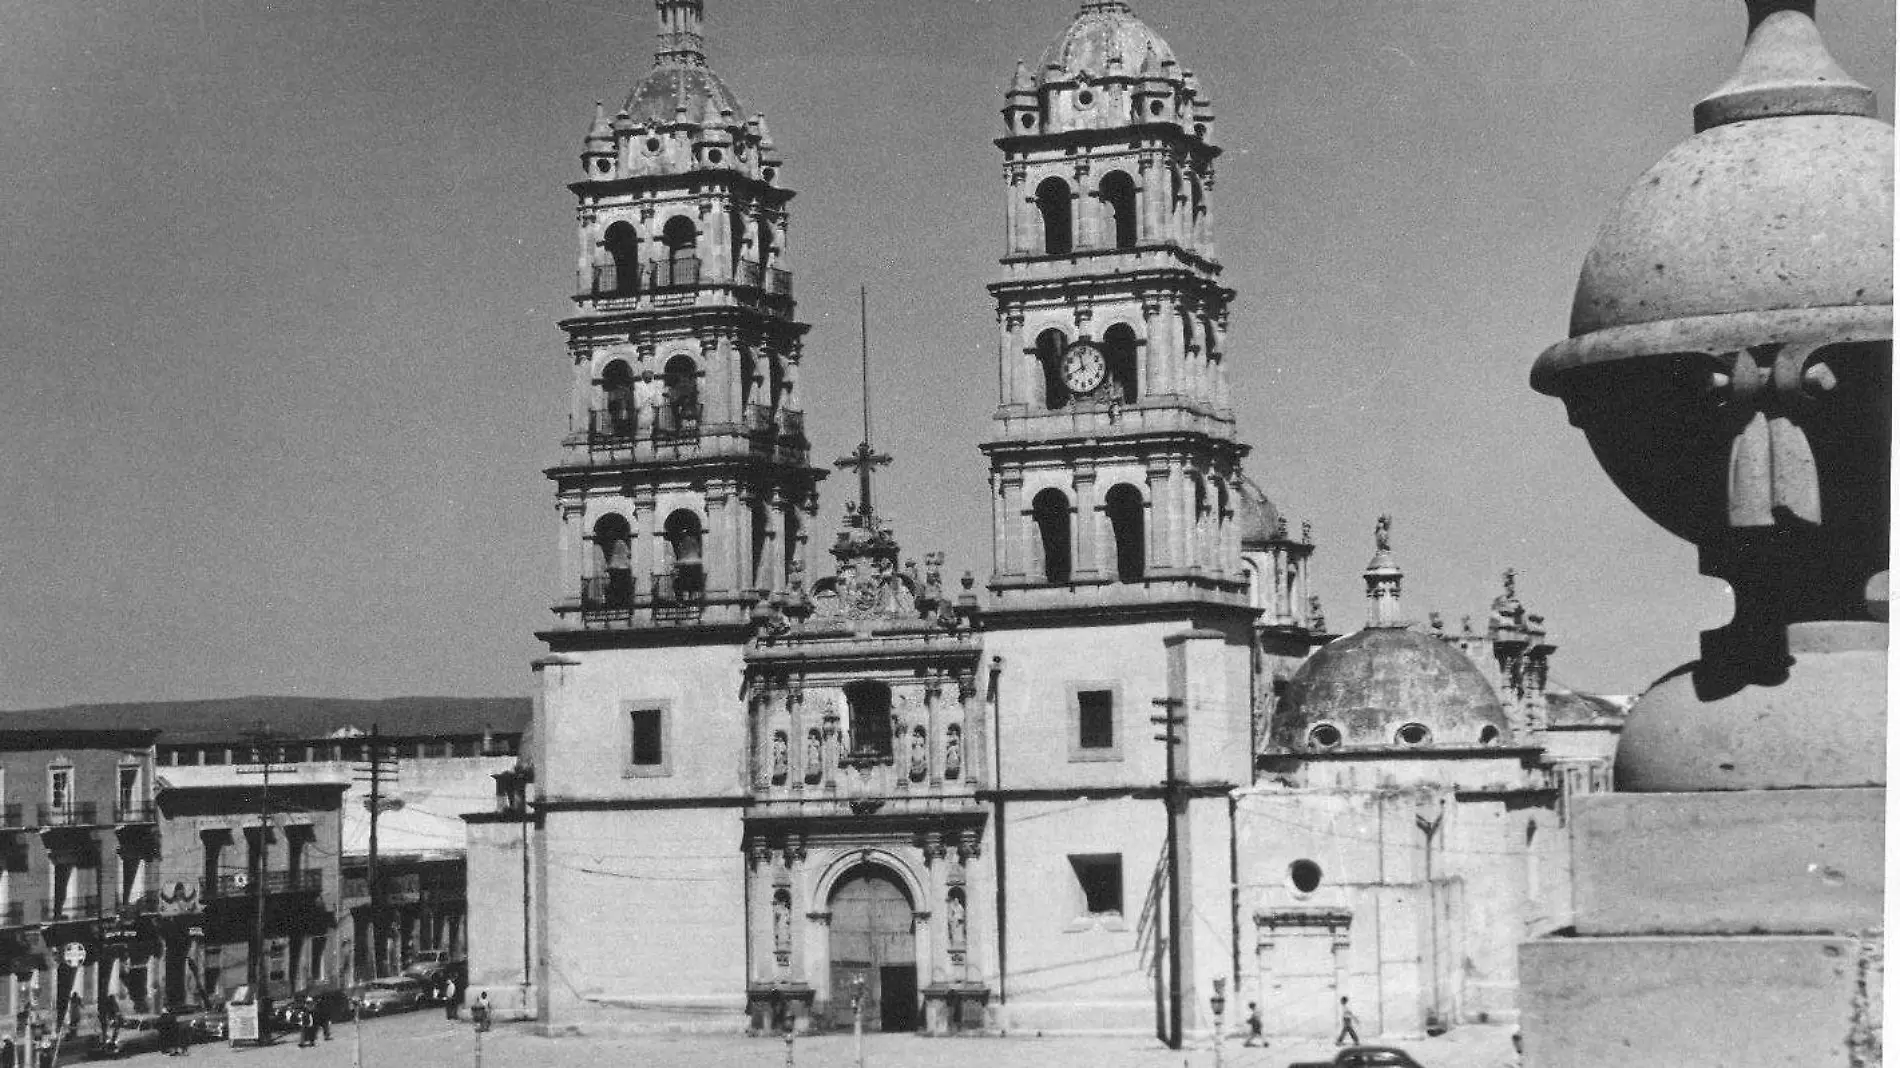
(679, 399)
(1117, 191)
(616, 419)
(611, 585)
(681, 265)
(1058, 224)
(1127, 519)
(621, 274)
(870, 707)
(1118, 353)
(685, 576)
(1050, 512)
(1049, 348)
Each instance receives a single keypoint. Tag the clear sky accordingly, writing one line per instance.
(282, 276)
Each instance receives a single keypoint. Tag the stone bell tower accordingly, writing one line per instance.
(684, 487)
(1113, 460)
(1730, 360)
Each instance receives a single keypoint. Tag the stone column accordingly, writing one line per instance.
(795, 737)
(647, 535)
(1149, 198)
(935, 916)
(1148, 362)
(759, 908)
(759, 721)
(723, 543)
(969, 847)
(1011, 558)
(934, 728)
(798, 968)
(1021, 213)
(1088, 517)
(573, 548)
(1014, 384)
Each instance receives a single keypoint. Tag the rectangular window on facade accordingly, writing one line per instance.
(1094, 729)
(1095, 714)
(128, 787)
(648, 751)
(869, 703)
(214, 754)
(1099, 878)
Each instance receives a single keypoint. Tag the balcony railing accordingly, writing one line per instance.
(134, 812)
(84, 907)
(77, 814)
(607, 593)
(615, 427)
(631, 279)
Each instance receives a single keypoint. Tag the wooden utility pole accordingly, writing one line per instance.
(1171, 719)
(263, 763)
(377, 767)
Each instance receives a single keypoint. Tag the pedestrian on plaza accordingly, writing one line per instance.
(1348, 1024)
(6, 1051)
(306, 1025)
(451, 1000)
(75, 1012)
(1254, 1026)
(109, 1020)
(320, 1017)
(168, 1032)
(481, 1012)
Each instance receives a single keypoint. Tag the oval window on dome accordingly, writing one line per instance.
(653, 144)
(1414, 734)
(1305, 875)
(1488, 736)
(715, 156)
(771, 173)
(1200, 129)
(1155, 107)
(1029, 122)
(1325, 736)
(1085, 98)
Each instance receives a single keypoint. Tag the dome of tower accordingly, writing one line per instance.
(1104, 30)
(669, 87)
(1388, 687)
(1776, 215)
(1259, 520)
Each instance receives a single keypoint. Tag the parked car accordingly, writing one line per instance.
(1364, 1057)
(431, 965)
(205, 1023)
(396, 994)
(334, 1000)
(138, 1033)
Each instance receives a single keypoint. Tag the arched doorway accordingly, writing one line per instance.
(874, 943)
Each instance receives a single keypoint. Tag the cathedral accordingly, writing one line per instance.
(784, 777)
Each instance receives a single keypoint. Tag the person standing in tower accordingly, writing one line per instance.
(1254, 1026)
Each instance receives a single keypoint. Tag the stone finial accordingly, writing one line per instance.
(1023, 83)
(1785, 70)
(1382, 533)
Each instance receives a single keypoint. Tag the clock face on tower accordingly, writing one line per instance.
(1083, 368)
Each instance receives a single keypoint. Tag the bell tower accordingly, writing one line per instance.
(684, 487)
(1113, 458)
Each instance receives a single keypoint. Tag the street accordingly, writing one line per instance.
(424, 1039)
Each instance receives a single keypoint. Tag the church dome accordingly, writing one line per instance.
(1104, 30)
(1387, 687)
(1259, 520)
(671, 86)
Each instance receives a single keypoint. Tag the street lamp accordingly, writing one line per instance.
(1219, 1004)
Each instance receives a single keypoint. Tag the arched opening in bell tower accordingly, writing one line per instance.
(1058, 224)
(612, 583)
(1118, 354)
(621, 274)
(1050, 512)
(616, 418)
(1049, 348)
(681, 266)
(1126, 521)
(1117, 192)
(679, 399)
(685, 575)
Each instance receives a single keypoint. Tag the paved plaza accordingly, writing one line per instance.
(426, 1040)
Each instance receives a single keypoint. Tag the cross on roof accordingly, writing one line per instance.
(864, 459)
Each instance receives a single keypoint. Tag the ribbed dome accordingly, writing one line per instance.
(1372, 688)
(1259, 520)
(669, 86)
(1102, 30)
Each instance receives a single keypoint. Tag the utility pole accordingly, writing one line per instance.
(264, 755)
(374, 770)
(1172, 718)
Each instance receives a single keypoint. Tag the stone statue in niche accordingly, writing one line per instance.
(781, 758)
(814, 756)
(959, 920)
(953, 752)
(782, 922)
(919, 754)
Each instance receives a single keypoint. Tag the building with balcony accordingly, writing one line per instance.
(80, 860)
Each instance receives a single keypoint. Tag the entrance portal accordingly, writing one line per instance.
(873, 952)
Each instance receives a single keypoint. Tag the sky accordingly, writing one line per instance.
(282, 371)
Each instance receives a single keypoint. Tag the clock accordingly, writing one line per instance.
(1083, 368)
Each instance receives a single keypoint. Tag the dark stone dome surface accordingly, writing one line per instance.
(1255, 513)
(1370, 685)
(670, 85)
(1102, 30)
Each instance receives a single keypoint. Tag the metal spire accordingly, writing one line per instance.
(864, 458)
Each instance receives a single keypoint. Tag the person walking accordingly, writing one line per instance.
(320, 1017)
(1255, 1026)
(306, 1025)
(481, 1011)
(451, 1008)
(1348, 1024)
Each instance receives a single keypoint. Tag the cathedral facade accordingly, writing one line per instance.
(772, 789)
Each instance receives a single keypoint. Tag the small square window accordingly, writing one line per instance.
(1095, 714)
(1099, 877)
